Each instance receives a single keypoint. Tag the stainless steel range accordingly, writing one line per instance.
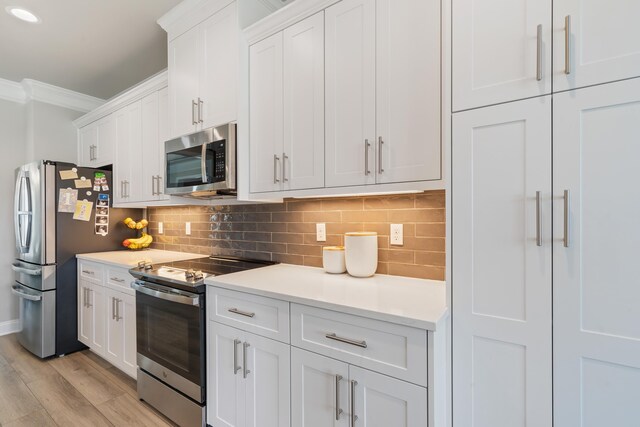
(171, 333)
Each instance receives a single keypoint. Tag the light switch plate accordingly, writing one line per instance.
(321, 232)
(160, 228)
(396, 235)
(187, 228)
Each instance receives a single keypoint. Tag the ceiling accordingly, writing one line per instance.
(95, 47)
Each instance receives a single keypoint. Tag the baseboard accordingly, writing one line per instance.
(9, 327)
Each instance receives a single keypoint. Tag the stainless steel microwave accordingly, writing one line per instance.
(202, 164)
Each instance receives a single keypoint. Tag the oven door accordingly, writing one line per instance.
(202, 162)
(171, 337)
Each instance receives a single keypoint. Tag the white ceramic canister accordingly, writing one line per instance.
(361, 253)
(333, 259)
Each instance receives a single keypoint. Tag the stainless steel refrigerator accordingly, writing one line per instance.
(47, 240)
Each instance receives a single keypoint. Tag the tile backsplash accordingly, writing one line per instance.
(286, 232)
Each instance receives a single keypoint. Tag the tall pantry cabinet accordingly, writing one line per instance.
(544, 215)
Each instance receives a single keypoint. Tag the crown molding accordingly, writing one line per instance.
(152, 84)
(33, 90)
(188, 14)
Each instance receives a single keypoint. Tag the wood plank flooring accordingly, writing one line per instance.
(80, 389)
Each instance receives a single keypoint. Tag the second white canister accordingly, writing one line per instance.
(361, 253)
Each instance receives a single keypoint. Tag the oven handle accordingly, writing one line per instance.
(180, 299)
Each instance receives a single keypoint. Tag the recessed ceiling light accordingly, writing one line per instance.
(22, 14)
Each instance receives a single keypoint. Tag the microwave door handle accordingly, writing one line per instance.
(203, 164)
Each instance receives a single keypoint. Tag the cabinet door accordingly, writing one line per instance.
(595, 303)
(502, 265)
(603, 43)
(184, 59)
(97, 307)
(106, 142)
(128, 177)
(85, 313)
(381, 401)
(163, 130)
(267, 383)
(88, 136)
(495, 51)
(127, 314)
(122, 166)
(319, 390)
(350, 98)
(218, 78)
(408, 90)
(265, 114)
(303, 153)
(114, 330)
(148, 163)
(225, 387)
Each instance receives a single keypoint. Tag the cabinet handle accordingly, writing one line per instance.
(245, 371)
(115, 279)
(153, 185)
(366, 157)
(567, 44)
(276, 159)
(538, 220)
(200, 105)
(357, 343)
(236, 367)
(88, 272)
(113, 308)
(380, 144)
(284, 165)
(84, 297)
(194, 105)
(118, 317)
(354, 417)
(338, 410)
(160, 191)
(126, 189)
(539, 53)
(89, 297)
(567, 224)
(240, 312)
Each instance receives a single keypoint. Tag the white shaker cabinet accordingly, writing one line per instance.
(91, 316)
(350, 98)
(596, 234)
(502, 51)
(184, 57)
(97, 143)
(120, 343)
(595, 42)
(151, 158)
(502, 265)
(127, 179)
(249, 384)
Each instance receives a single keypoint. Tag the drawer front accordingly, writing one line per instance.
(119, 277)
(396, 350)
(262, 316)
(91, 271)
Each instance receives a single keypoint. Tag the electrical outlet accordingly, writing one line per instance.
(396, 236)
(321, 232)
(187, 228)
(160, 228)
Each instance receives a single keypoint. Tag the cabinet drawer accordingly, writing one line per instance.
(396, 350)
(263, 316)
(90, 271)
(119, 277)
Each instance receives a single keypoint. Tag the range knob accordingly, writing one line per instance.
(198, 275)
(189, 273)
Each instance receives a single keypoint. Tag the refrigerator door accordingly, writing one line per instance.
(37, 320)
(34, 213)
(39, 277)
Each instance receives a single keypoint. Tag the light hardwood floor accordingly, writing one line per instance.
(79, 389)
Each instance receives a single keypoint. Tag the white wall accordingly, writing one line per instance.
(51, 134)
(12, 155)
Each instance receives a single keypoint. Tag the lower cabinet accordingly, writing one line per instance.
(327, 392)
(107, 314)
(248, 382)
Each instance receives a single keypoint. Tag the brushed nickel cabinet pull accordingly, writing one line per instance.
(236, 367)
(200, 106)
(338, 410)
(567, 44)
(357, 343)
(354, 417)
(284, 165)
(366, 157)
(245, 371)
(567, 223)
(241, 313)
(380, 144)
(539, 53)
(160, 191)
(113, 308)
(276, 159)
(194, 105)
(538, 220)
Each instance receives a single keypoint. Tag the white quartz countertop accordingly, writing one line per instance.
(414, 302)
(129, 258)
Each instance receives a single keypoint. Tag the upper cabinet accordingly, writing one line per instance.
(502, 51)
(203, 69)
(96, 143)
(348, 97)
(595, 42)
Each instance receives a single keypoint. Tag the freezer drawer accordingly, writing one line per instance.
(38, 277)
(37, 320)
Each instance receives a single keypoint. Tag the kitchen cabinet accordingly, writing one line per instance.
(107, 314)
(502, 264)
(151, 159)
(287, 108)
(596, 340)
(249, 379)
(594, 42)
(97, 143)
(502, 51)
(203, 68)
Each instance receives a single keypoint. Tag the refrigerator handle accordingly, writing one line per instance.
(18, 290)
(23, 208)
